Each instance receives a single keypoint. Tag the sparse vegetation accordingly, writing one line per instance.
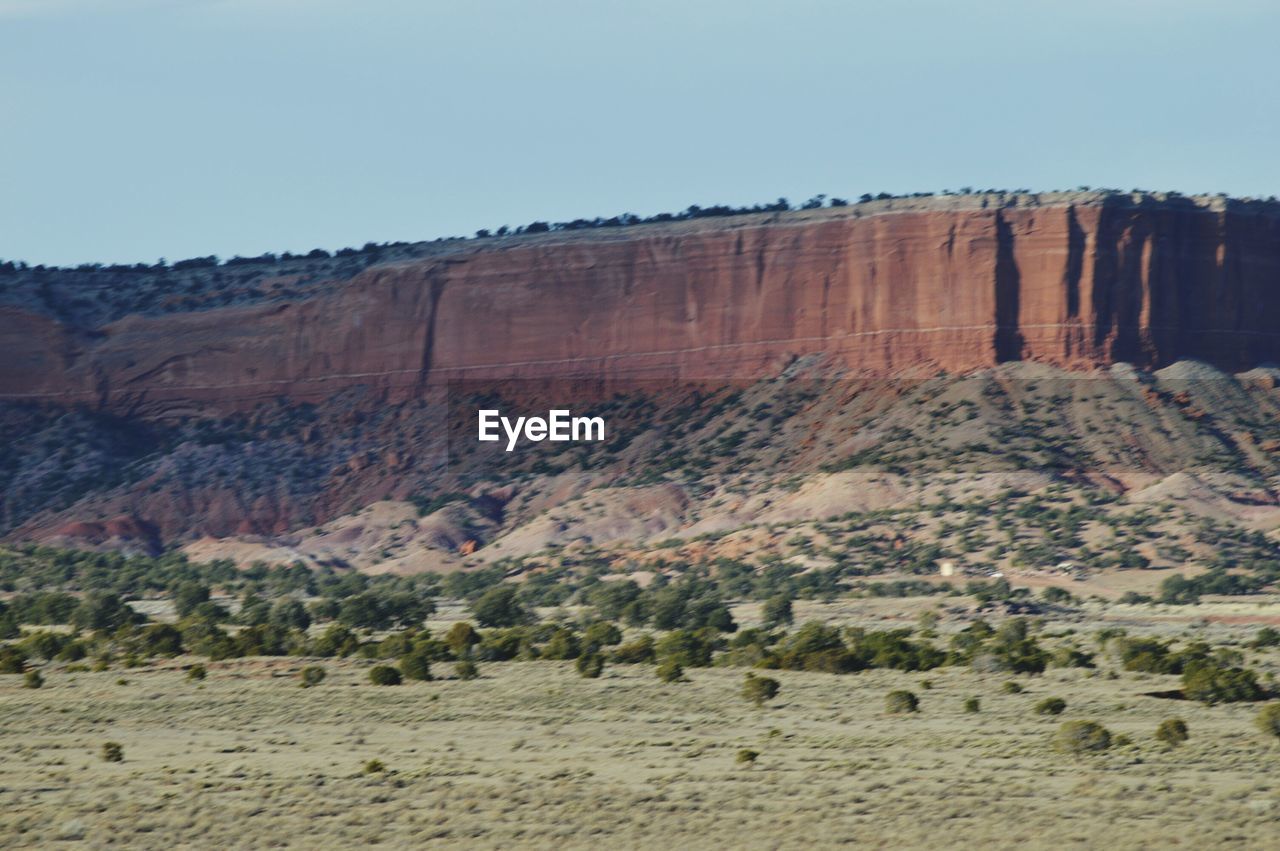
(590, 665)
(1212, 683)
(901, 702)
(384, 675)
(498, 607)
(1172, 732)
(416, 666)
(12, 660)
(1082, 737)
(714, 604)
(311, 675)
(1268, 720)
(759, 690)
(777, 611)
(670, 671)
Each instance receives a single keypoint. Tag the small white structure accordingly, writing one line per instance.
(947, 568)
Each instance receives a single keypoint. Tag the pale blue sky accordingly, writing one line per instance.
(135, 129)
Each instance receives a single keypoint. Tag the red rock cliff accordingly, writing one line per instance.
(880, 289)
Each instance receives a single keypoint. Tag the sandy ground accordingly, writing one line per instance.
(532, 755)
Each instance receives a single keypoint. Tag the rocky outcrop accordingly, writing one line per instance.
(1073, 281)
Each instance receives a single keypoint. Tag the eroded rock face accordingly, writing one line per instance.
(188, 423)
(1078, 283)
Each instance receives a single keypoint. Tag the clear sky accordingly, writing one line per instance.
(137, 129)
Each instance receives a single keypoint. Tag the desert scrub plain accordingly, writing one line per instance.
(535, 755)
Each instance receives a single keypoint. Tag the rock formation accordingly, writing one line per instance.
(1076, 281)
(145, 407)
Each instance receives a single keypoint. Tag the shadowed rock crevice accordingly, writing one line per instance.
(435, 284)
(1008, 283)
(1075, 262)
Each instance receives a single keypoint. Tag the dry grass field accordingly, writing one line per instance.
(533, 755)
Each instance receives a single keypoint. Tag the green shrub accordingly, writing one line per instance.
(416, 666)
(1071, 657)
(602, 634)
(1266, 637)
(112, 752)
(1148, 656)
(1172, 732)
(384, 675)
(8, 624)
(187, 595)
(564, 644)
(44, 644)
(759, 689)
(1051, 706)
(499, 645)
(12, 660)
(161, 639)
(1082, 737)
(100, 610)
(1269, 720)
(1011, 648)
(1011, 688)
(461, 637)
(901, 701)
(311, 675)
(434, 649)
(32, 679)
(972, 705)
(1056, 595)
(499, 607)
(691, 648)
(636, 652)
(197, 672)
(777, 611)
(336, 640)
(671, 672)
(374, 766)
(395, 645)
(1211, 683)
(590, 665)
(72, 652)
(746, 756)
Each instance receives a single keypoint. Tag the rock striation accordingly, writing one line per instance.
(1077, 281)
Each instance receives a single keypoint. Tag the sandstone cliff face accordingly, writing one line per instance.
(1076, 284)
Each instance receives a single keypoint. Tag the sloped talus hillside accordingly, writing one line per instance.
(743, 362)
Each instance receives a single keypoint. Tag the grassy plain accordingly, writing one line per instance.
(533, 755)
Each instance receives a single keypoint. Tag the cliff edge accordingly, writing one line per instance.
(1072, 280)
